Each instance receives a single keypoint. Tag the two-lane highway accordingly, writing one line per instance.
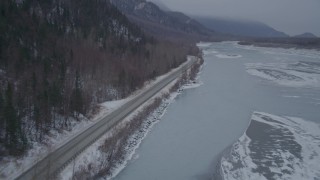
(48, 166)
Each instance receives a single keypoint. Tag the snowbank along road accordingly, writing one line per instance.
(50, 165)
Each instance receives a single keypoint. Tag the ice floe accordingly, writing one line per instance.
(274, 147)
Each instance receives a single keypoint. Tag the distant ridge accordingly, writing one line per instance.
(240, 27)
(306, 35)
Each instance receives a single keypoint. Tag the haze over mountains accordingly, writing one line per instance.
(240, 27)
(156, 18)
(166, 24)
(237, 27)
(290, 16)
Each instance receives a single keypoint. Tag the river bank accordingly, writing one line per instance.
(287, 43)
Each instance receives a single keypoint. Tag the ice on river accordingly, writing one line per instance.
(228, 56)
(274, 147)
(298, 74)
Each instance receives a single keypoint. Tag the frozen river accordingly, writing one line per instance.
(245, 104)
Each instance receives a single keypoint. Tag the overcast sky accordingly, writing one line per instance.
(290, 16)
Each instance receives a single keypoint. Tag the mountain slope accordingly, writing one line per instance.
(161, 5)
(150, 17)
(239, 27)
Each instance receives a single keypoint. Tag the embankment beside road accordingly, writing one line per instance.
(113, 152)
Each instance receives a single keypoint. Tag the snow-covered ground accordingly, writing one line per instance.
(207, 50)
(299, 74)
(11, 166)
(274, 147)
(96, 158)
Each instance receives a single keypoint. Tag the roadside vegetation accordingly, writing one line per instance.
(115, 148)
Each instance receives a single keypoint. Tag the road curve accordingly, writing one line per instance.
(48, 166)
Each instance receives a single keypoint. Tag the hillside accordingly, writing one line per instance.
(159, 22)
(59, 59)
(240, 27)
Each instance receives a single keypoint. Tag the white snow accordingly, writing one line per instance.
(240, 153)
(305, 133)
(206, 49)
(11, 166)
(112, 105)
(192, 85)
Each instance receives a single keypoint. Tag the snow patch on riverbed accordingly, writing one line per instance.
(209, 52)
(274, 147)
(228, 56)
(299, 74)
(309, 53)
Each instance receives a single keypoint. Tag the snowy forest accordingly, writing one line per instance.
(60, 58)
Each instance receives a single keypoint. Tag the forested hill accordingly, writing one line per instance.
(162, 23)
(59, 58)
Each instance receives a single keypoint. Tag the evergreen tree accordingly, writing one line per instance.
(14, 138)
(2, 124)
(77, 104)
(10, 118)
(34, 82)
